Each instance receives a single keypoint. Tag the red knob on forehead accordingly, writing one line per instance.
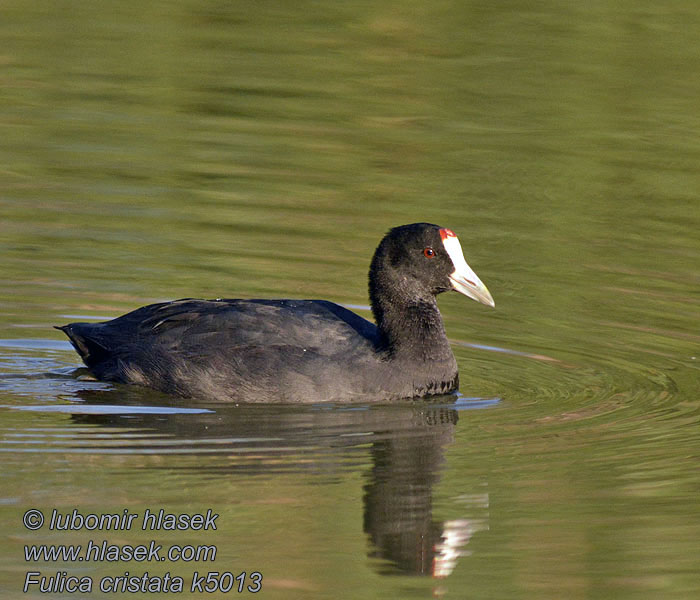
(447, 233)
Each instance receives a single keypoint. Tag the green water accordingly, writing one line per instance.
(261, 149)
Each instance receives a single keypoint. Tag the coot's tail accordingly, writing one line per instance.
(90, 350)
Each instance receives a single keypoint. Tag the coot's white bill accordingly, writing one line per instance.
(463, 279)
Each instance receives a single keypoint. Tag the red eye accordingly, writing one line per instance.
(429, 252)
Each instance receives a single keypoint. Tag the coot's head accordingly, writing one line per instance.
(417, 261)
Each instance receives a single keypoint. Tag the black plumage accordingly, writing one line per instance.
(296, 350)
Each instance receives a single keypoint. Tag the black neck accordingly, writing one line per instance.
(409, 321)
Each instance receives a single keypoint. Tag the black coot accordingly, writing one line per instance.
(299, 350)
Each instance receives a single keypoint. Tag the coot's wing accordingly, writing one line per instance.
(199, 329)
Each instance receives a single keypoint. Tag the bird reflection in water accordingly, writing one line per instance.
(407, 445)
(398, 500)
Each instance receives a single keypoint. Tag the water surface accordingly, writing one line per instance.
(153, 152)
